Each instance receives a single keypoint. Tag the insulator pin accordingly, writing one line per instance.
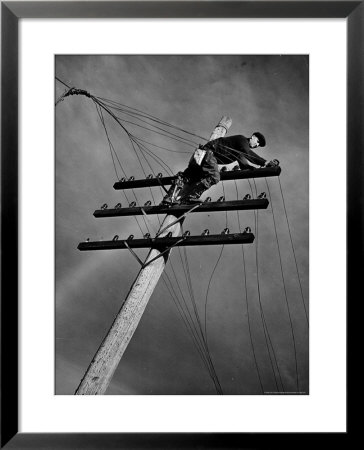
(115, 238)
(247, 230)
(223, 169)
(247, 197)
(186, 233)
(132, 178)
(221, 199)
(169, 234)
(132, 204)
(117, 206)
(236, 168)
(205, 232)
(225, 231)
(147, 236)
(148, 203)
(160, 175)
(207, 199)
(104, 206)
(149, 176)
(122, 179)
(262, 195)
(130, 237)
(87, 239)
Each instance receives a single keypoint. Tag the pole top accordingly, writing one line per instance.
(221, 128)
(225, 122)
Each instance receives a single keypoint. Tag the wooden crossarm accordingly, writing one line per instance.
(225, 176)
(165, 242)
(234, 205)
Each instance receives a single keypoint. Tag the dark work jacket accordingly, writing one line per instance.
(234, 148)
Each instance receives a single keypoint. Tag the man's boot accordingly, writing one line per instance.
(194, 195)
(170, 198)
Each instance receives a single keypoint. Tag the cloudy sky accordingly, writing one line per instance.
(260, 93)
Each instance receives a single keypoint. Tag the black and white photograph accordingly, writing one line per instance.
(182, 224)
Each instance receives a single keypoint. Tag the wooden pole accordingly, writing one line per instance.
(102, 367)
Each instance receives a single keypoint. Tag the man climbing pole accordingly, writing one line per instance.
(203, 171)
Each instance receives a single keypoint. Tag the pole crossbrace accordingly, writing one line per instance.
(151, 260)
(179, 219)
(164, 251)
(147, 218)
(134, 254)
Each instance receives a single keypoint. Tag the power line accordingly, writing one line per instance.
(148, 123)
(190, 331)
(293, 250)
(151, 117)
(207, 356)
(193, 301)
(246, 300)
(264, 324)
(284, 288)
(69, 87)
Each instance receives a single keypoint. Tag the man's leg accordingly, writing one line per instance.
(184, 182)
(171, 198)
(197, 189)
(208, 176)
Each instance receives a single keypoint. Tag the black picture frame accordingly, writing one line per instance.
(11, 12)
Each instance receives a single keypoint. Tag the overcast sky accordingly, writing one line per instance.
(260, 93)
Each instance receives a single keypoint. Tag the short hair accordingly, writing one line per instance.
(260, 137)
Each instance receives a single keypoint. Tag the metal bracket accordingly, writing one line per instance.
(164, 251)
(178, 220)
(144, 265)
(134, 254)
(146, 216)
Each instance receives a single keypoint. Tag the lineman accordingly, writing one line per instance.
(203, 171)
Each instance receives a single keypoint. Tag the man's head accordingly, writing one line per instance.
(257, 140)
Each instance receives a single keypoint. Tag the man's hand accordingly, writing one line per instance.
(273, 163)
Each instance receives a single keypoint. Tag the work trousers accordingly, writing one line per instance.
(207, 172)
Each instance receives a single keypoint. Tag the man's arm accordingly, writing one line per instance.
(253, 158)
(258, 160)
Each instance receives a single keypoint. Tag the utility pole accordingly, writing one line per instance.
(102, 367)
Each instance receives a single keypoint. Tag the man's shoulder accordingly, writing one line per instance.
(239, 137)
